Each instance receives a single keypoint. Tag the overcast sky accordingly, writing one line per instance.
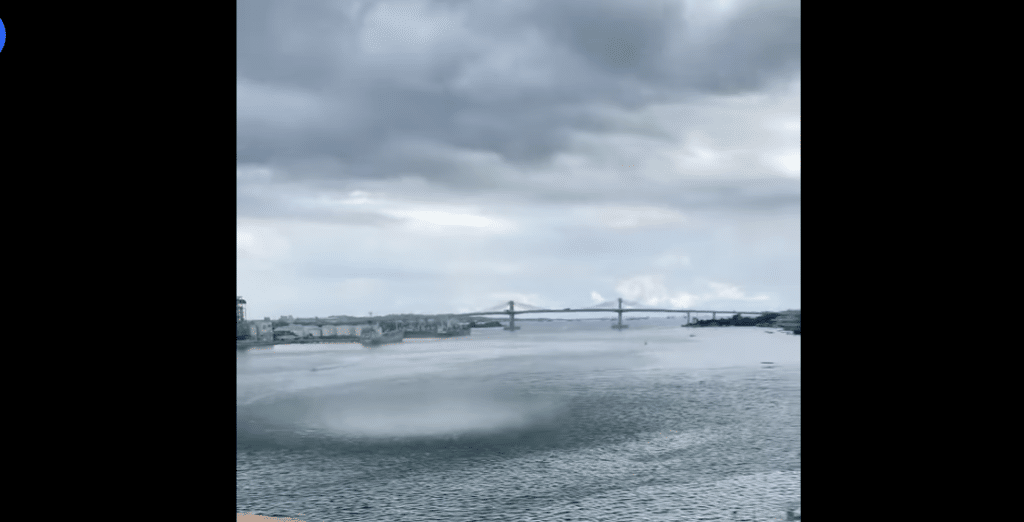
(448, 155)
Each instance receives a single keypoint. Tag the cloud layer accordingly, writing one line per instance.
(434, 146)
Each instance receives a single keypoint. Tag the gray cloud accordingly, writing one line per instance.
(461, 143)
(362, 90)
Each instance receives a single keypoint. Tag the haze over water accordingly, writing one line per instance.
(557, 421)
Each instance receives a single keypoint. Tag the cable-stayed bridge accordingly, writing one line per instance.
(509, 309)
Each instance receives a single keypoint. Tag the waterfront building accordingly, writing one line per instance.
(242, 330)
(297, 329)
(239, 309)
(302, 330)
(284, 335)
(355, 329)
(261, 330)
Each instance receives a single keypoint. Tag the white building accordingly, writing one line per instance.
(303, 330)
(261, 330)
(355, 329)
(284, 334)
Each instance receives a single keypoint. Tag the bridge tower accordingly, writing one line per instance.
(620, 325)
(512, 317)
(239, 309)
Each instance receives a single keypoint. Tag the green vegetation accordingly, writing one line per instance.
(766, 320)
(488, 324)
(788, 321)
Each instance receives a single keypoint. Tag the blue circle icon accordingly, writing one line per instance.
(3, 35)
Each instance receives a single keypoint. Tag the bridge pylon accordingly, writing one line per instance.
(620, 326)
(512, 317)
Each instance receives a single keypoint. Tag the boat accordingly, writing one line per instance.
(372, 338)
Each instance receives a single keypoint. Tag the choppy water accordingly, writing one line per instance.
(555, 422)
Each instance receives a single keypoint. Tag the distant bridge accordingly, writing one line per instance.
(512, 312)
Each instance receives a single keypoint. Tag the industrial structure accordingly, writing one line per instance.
(246, 330)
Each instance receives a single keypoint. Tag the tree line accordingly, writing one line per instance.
(764, 320)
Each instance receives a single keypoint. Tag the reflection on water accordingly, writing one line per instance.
(558, 421)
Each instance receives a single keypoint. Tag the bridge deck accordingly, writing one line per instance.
(616, 310)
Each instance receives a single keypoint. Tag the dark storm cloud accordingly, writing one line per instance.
(761, 44)
(446, 91)
(614, 36)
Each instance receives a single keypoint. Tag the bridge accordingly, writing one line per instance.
(512, 312)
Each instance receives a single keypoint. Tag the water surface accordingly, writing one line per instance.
(557, 421)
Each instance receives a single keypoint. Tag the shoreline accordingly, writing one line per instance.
(250, 344)
(242, 345)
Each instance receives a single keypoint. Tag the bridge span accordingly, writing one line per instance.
(512, 313)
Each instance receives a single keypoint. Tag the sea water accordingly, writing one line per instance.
(559, 421)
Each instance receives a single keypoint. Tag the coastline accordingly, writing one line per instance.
(243, 345)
